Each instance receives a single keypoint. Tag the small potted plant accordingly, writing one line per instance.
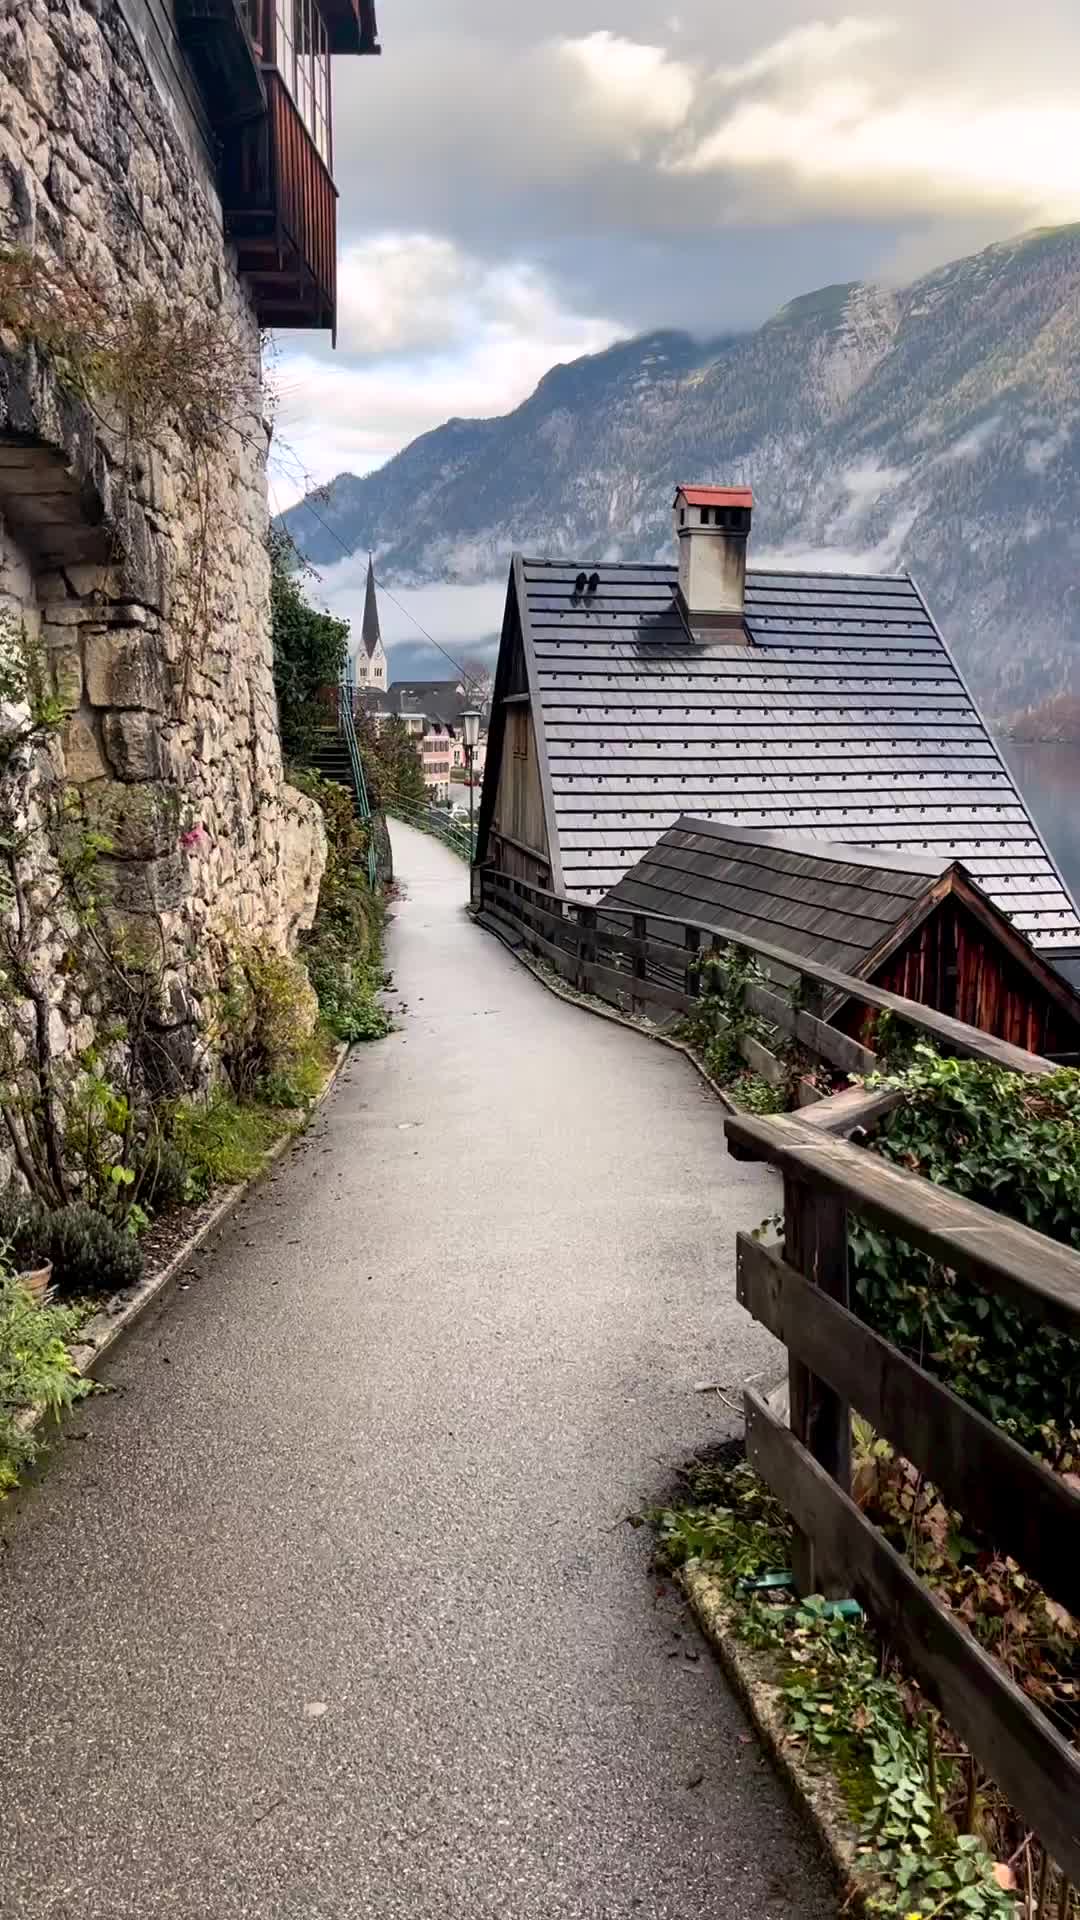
(22, 1242)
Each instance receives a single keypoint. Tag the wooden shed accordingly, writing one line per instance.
(917, 926)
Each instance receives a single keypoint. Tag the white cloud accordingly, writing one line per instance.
(821, 44)
(426, 332)
(632, 89)
(975, 442)
(836, 124)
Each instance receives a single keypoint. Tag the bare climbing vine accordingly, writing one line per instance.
(145, 371)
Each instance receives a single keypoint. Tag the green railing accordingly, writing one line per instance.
(440, 823)
(347, 725)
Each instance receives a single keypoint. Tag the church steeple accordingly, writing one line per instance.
(369, 632)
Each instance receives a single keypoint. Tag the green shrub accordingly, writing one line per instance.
(221, 1141)
(89, 1254)
(266, 1015)
(24, 1231)
(36, 1369)
(346, 991)
(165, 1178)
(1013, 1144)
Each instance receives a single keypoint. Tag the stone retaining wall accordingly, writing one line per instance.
(168, 745)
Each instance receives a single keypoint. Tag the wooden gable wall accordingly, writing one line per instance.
(514, 833)
(953, 962)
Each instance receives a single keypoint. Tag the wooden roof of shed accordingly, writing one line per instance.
(839, 713)
(824, 901)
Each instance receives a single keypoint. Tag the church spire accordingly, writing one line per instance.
(369, 632)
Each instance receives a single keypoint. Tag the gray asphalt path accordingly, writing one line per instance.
(329, 1610)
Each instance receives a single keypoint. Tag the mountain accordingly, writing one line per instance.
(934, 427)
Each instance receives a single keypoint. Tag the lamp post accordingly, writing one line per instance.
(470, 727)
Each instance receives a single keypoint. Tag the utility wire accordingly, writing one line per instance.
(350, 552)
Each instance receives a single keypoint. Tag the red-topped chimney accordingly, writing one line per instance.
(712, 527)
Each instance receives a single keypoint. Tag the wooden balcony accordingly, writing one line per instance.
(281, 212)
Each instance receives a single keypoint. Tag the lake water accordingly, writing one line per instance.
(1049, 779)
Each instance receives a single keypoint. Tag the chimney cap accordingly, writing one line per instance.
(715, 496)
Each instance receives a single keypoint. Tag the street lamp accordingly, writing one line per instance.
(470, 727)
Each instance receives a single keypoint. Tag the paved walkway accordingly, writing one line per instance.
(328, 1612)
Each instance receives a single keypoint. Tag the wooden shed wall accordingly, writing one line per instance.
(519, 840)
(953, 963)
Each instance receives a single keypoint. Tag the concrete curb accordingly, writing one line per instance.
(105, 1330)
(589, 1004)
(752, 1676)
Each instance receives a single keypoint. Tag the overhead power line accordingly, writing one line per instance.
(350, 553)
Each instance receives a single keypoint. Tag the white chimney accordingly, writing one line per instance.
(712, 526)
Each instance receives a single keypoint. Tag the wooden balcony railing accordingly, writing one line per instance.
(306, 195)
(281, 210)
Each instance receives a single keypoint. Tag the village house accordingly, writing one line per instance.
(166, 195)
(632, 697)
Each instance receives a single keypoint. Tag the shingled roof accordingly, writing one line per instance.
(844, 718)
(839, 905)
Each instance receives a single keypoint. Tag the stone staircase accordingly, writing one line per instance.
(329, 757)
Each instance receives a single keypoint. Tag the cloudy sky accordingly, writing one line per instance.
(521, 185)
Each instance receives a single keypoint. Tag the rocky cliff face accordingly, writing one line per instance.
(934, 427)
(133, 566)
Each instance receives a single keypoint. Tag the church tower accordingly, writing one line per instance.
(371, 656)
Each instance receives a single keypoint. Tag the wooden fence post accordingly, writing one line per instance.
(816, 1243)
(640, 931)
(693, 948)
(586, 946)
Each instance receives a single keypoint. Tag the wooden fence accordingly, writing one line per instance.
(651, 963)
(836, 1362)
(799, 1291)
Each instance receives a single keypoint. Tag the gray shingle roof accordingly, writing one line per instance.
(845, 719)
(840, 906)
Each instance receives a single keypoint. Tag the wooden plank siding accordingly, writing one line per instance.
(954, 1036)
(949, 962)
(518, 823)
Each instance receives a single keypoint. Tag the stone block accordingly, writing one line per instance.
(134, 746)
(141, 821)
(66, 663)
(83, 758)
(123, 669)
(68, 613)
(87, 579)
(143, 886)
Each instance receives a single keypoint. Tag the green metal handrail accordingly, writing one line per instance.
(453, 834)
(347, 726)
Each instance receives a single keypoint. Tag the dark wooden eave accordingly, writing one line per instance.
(351, 25)
(215, 38)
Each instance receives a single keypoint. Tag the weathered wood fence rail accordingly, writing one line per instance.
(837, 1363)
(650, 961)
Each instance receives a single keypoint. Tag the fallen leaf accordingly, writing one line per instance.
(314, 1709)
(1062, 1618)
(1004, 1875)
(695, 1779)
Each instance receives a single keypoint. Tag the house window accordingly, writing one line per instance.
(303, 60)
